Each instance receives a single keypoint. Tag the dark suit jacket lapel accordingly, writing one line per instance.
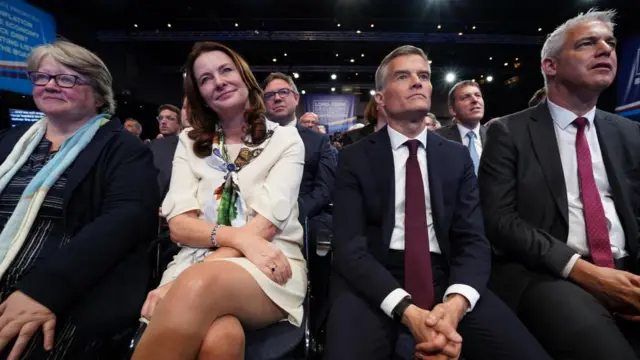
(610, 148)
(483, 134)
(436, 163)
(545, 146)
(380, 156)
(88, 157)
(453, 133)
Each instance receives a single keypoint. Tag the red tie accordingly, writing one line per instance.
(418, 279)
(594, 219)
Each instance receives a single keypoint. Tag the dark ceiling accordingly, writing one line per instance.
(145, 43)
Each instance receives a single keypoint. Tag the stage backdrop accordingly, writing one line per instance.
(629, 79)
(22, 27)
(336, 112)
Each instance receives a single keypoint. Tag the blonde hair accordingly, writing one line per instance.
(82, 61)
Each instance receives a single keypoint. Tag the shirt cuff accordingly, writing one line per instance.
(572, 262)
(467, 291)
(392, 300)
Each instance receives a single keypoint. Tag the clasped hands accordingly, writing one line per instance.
(435, 331)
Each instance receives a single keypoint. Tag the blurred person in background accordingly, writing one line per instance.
(133, 126)
(163, 149)
(281, 99)
(310, 120)
(78, 208)
(431, 122)
(375, 121)
(241, 266)
(168, 121)
(466, 105)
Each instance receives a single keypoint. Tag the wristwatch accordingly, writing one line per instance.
(398, 311)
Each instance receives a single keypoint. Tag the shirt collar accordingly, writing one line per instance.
(463, 130)
(293, 122)
(564, 117)
(397, 139)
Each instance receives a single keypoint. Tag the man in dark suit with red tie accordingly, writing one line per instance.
(411, 261)
(560, 190)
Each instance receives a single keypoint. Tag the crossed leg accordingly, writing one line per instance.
(202, 309)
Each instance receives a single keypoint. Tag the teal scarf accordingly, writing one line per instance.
(15, 232)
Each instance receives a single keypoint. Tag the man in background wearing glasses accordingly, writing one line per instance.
(168, 120)
(281, 98)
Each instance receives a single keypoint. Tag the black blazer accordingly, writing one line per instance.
(354, 136)
(364, 216)
(451, 132)
(524, 196)
(319, 172)
(111, 212)
(163, 151)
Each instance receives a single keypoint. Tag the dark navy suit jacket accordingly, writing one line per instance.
(319, 172)
(364, 216)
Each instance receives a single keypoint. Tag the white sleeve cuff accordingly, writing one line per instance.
(392, 300)
(467, 291)
(572, 262)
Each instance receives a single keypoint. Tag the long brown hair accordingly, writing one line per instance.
(371, 112)
(203, 119)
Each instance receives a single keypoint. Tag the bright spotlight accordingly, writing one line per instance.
(334, 76)
(296, 75)
(451, 77)
(489, 78)
(303, 92)
(333, 89)
(372, 92)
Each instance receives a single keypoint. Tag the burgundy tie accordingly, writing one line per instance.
(418, 279)
(594, 219)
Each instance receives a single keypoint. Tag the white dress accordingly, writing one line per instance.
(268, 185)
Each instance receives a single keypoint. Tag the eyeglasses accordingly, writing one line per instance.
(283, 93)
(63, 80)
(170, 118)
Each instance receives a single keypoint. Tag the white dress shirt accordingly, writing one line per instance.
(465, 140)
(292, 123)
(566, 137)
(400, 156)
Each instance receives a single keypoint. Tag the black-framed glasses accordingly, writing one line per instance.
(283, 93)
(62, 80)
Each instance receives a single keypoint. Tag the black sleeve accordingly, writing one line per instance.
(313, 202)
(351, 253)
(498, 176)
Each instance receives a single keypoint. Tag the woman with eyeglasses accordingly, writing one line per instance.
(233, 208)
(78, 206)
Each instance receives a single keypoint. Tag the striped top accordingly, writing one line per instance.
(46, 237)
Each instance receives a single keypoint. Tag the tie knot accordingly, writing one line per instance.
(413, 146)
(580, 123)
(471, 135)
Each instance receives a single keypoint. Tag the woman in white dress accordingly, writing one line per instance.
(232, 207)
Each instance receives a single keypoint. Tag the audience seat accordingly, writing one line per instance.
(280, 341)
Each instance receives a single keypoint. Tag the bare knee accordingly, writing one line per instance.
(224, 340)
(198, 284)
